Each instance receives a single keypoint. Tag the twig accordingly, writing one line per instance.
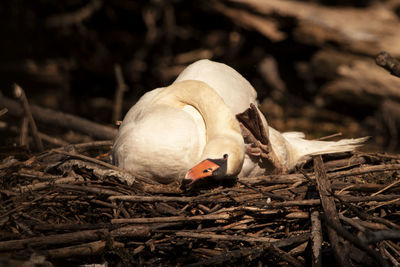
(3, 111)
(268, 194)
(53, 239)
(91, 189)
(366, 216)
(132, 231)
(153, 199)
(58, 118)
(23, 137)
(330, 136)
(389, 202)
(370, 187)
(94, 144)
(293, 178)
(386, 188)
(43, 185)
(385, 252)
(85, 249)
(355, 240)
(352, 222)
(316, 239)
(386, 61)
(20, 94)
(364, 170)
(299, 249)
(46, 138)
(119, 93)
(105, 164)
(250, 253)
(276, 242)
(328, 203)
(208, 217)
(75, 17)
(370, 237)
(224, 237)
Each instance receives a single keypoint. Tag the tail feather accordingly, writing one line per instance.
(303, 149)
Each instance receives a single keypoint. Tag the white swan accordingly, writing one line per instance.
(189, 131)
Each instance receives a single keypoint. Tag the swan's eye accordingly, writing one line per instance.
(207, 170)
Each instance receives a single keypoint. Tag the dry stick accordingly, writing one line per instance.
(316, 239)
(207, 217)
(43, 185)
(20, 94)
(99, 191)
(390, 202)
(23, 138)
(87, 235)
(229, 257)
(202, 199)
(43, 227)
(366, 216)
(377, 236)
(75, 17)
(132, 231)
(316, 202)
(385, 252)
(274, 179)
(370, 187)
(268, 194)
(87, 249)
(293, 178)
(386, 61)
(249, 253)
(352, 222)
(386, 156)
(369, 198)
(119, 93)
(340, 164)
(328, 203)
(94, 144)
(355, 240)
(364, 170)
(58, 118)
(330, 136)
(104, 164)
(276, 242)
(47, 138)
(54, 239)
(395, 248)
(215, 237)
(387, 187)
(153, 199)
(299, 249)
(3, 111)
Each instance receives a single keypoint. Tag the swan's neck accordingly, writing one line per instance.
(222, 129)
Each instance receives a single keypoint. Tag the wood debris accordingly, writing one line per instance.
(342, 208)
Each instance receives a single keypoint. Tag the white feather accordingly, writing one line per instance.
(162, 139)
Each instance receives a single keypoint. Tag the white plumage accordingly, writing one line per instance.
(171, 129)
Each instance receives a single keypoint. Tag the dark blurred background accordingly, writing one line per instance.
(312, 62)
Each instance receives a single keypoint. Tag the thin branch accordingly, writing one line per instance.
(61, 119)
(20, 94)
(3, 111)
(340, 248)
(119, 93)
(75, 17)
(316, 239)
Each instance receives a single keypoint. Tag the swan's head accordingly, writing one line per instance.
(222, 159)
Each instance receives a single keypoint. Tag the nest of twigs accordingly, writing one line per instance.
(68, 206)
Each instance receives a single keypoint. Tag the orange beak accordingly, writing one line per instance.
(202, 170)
